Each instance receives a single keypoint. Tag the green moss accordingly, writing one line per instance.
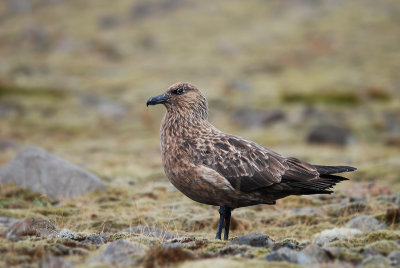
(341, 97)
(383, 247)
(118, 236)
(349, 255)
(382, 235)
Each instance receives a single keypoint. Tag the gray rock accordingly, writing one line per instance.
(327, 236)
(7, 222)
(394, 258)
(289, 255)
(375, 261)
(253, 239)
(96, 239)
(55, 262)
(120, 252)
(45, 173)
(365, 223)
(329, 134)
(317, 253)
(30, 226)
(65, 233)
(151, 231)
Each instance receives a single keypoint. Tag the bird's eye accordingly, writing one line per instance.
(180, 90)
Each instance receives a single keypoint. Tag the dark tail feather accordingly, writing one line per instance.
(322, 185)
(326, 170)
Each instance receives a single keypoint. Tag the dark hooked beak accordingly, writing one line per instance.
(157, 100)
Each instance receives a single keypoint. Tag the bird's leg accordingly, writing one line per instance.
(227, 222)
(221, 222)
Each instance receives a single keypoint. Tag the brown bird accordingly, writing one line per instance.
(215, 168)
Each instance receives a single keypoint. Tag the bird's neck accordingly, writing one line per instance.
(183, 126)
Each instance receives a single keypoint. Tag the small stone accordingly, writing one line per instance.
(151, 231)
(96, 239)
(329, 134)
(45, 173)
(253, 239)
(365, 223)
(55, 262)
(375, 261)
(7, 222)
(119, 252)
(30, 226)
(330, 235)
(289, 255)
(394, 258)
(65, 233)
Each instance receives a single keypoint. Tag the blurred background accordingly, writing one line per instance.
(314, 79)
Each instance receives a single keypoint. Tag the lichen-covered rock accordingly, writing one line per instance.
(45, 173)
(31, 226)
(394, 258)
(330, 235)
(120, 252)
(289, 255)
(253, 239)
(65, 233)
(365, 223)
(375, 261)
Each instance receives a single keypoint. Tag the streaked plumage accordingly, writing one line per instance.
(215, 168)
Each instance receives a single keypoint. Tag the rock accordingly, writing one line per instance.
(45, 173)
(119, 252)
(7, 222)
(65, 233)
(375, 261)
(96, 239)
(330, 235)
(329, 134)
(394, 258)
(365, 223)
(288, 244)
(289, 255)
(249, 118)
(55, 262)
(31, 226)
(151, 231)
(317, 253)
(253, 239)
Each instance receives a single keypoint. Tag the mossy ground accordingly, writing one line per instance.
(339, 58)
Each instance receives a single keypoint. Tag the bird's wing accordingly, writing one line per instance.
(249, 166)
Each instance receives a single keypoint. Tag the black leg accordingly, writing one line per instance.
(227, 222)
(221, 222)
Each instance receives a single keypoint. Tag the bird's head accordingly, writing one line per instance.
(184, 100)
